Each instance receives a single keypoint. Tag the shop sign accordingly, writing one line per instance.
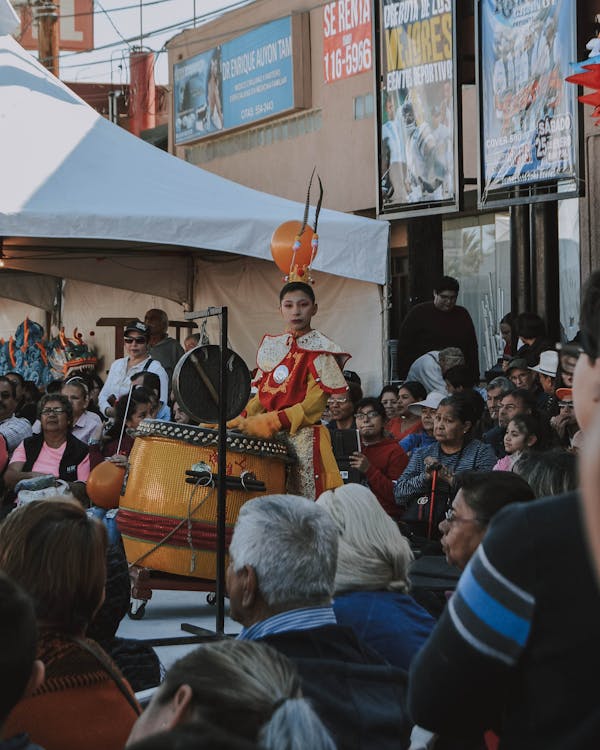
(243, 80)
(347, 47)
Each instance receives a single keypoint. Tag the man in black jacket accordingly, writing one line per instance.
(280, 580)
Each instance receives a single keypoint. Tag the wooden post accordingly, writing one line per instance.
(46, 14)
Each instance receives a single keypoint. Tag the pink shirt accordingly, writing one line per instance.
(49, 459)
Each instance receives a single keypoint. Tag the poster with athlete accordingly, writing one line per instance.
(417, 121)
(529, 113)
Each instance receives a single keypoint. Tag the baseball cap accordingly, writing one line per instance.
(564, 394)
(136, 325)
(517, 363)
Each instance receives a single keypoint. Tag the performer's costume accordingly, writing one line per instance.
(294, 379)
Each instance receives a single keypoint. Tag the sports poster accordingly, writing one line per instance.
(529, 113)
(417, 120)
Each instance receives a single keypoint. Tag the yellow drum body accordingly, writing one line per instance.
(171, 526)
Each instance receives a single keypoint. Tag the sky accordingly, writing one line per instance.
(119, 20)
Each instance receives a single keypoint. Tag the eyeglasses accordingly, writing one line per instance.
(342, 400)
(451, 517)
(53, 410)
(134, 340)
(362, 415)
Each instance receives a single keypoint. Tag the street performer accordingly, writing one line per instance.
(297, 370)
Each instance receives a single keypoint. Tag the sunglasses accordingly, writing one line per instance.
(134, 340)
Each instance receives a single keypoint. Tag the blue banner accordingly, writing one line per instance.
(529, 111)
(242, 81)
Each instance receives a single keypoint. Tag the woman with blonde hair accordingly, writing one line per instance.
(371, 582)
(245, 687)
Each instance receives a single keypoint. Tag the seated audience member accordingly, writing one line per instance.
(130, 411)
(496, 389)
(380, 459)
(94, 383)
(31, 393)
(425, 410)
(430, 474)
(410, 392)
(525, 378)
(547, 373)
(548, 473)
(565, 423)
(151, 382)
(87, 426)
(56, 552)
(25, 409)
(246, 687)
(21, 672)
(568, 356)
(55, 451)
(282, 565)
(518, 401)
(522, 434)
(14, 429)
(371, 580)
(508, 332)
(342, 408)
(531, 329)
(136, 360)
(458, 378)
(523, 624)
(480, 496)
(191, 342)
(389, 400)
(429, 369)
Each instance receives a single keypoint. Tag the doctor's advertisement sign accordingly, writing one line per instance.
(528, 111)
(243, 80)
(417, 118)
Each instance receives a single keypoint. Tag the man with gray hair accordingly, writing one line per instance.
(280, 580)
(430, 368)
(496, 389)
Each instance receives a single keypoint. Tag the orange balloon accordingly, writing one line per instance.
(282, 246)
(104, 484)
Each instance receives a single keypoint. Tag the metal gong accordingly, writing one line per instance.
(196, 383)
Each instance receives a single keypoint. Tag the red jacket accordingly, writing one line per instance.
(387, 461)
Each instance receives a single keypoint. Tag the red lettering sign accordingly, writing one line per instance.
(347, 45)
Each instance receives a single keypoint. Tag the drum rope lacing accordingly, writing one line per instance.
(202, 482)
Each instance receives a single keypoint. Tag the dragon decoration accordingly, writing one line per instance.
(41, 360)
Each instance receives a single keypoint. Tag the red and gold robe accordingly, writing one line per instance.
(295, 377)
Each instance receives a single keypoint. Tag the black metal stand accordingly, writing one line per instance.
(199, 634)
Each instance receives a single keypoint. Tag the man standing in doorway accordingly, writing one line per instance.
(436, 325)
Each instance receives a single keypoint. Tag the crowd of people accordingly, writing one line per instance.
(472, 478)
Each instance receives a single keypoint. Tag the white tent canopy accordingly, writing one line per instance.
(78, 182)
(83, 200)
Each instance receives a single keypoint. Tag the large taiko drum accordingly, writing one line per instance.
(171, 526)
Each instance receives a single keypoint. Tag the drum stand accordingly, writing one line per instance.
(199, 634)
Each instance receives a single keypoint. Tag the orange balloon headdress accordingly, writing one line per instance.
(294, 245)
